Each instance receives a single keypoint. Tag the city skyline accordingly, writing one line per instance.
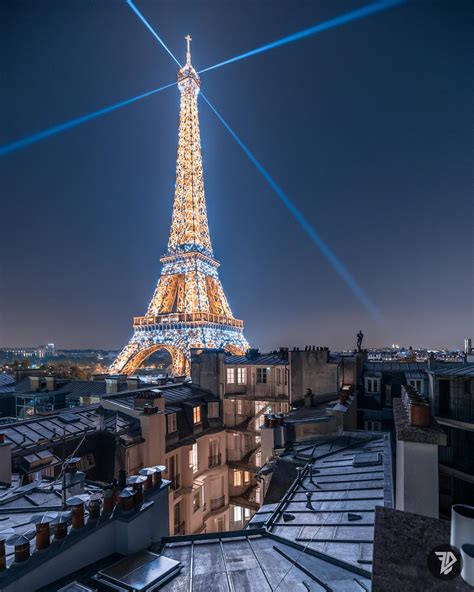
(93, 261)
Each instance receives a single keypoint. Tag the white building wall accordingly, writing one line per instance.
(417, 478)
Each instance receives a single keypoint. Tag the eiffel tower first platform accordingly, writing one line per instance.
(189, 308)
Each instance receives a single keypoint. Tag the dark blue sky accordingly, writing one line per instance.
(367, 127)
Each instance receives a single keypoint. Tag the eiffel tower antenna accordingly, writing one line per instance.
(189, 308)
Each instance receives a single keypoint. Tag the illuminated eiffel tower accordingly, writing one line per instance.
(189, 308)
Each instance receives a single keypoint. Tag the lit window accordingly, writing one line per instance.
(261, 375)
(172, 423)
(238, 515)
(213, 409)
(196, 502)
(230, 373)
(197, 414)
(241, 375)
(237, 478)
(193, 458)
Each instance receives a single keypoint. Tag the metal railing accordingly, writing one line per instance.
(215, 460)
(185, 317)
(217, 503)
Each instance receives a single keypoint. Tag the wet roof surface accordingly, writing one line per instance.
(259, 563)
(345, 478)
(325, 543)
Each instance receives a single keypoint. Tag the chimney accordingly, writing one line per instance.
(60, 523)
(74, 479)
(125, 500)
(108, 500)
(42, 535)
(157, 476)
(136, 481)
(111, 385)
(147, 472)
(35, 383)
(76, 503)
(95, 503)
(133, 382)
(5, 461)
(21, 543)
(50, 383)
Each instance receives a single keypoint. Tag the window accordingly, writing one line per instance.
(237, 478)
(372, 385)
(172, 423)
(193, 458)
(238, 514)
(196, 501)
(261, 375)
(239, 407)
(373, 426)
(213, 409)
(246, 477)
(230, 374)
(241, 375)
(197, 414)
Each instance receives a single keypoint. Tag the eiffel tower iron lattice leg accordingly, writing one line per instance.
(189, 308)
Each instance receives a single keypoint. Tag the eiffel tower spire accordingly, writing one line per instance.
(189, 228)
(189, 308)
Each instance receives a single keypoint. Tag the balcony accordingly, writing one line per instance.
(197, 318)
(215, 460)
(179, 528)
(175, 482)
(217, 503)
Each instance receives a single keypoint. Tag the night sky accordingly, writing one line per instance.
(367, 127)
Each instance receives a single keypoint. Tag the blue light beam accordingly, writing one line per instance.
(61, 127)
(338, 266)
(152, 31)
(359, 13)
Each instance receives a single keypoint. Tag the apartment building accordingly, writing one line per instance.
(256, 384)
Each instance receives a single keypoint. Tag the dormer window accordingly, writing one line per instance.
(230, 375)
(197, 414)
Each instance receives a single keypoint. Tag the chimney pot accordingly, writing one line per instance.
(157, 476)
(42, 535)
(95, 503)
(109, 501)
(126, 500)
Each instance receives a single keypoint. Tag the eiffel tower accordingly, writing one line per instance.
(189, 308)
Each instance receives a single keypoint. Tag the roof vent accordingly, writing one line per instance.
(367, 459)
(68, 417)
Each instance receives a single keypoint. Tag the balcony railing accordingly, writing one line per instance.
(215, 460)
(179, 528)
(217, 503)
(175, 482)
(185, 317)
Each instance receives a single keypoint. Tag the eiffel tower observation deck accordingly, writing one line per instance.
(189, 308)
